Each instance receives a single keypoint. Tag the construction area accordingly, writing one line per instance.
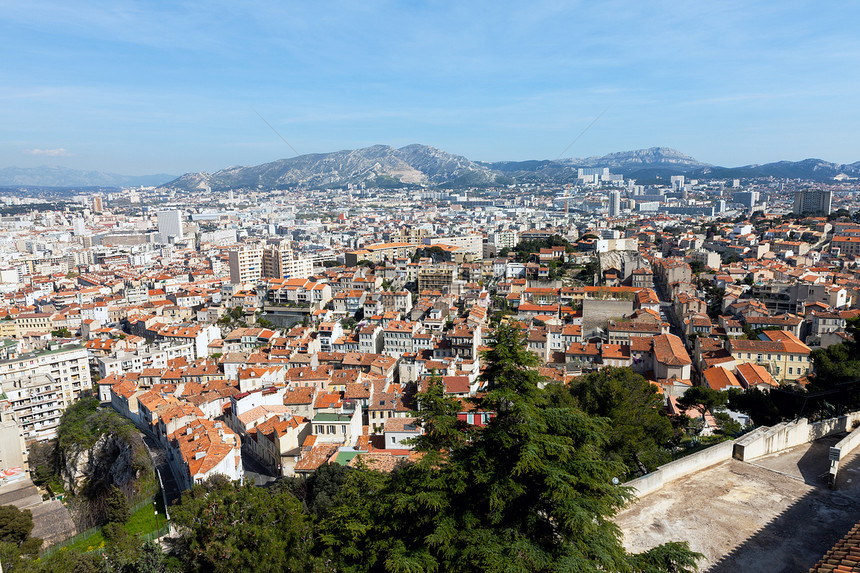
(774, 513)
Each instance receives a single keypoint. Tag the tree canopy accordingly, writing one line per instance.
(639, 430)
(533, 490)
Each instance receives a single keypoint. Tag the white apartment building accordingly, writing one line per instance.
(68, 366)
(36, 405)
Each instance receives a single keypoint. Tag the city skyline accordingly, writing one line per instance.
(163, 88)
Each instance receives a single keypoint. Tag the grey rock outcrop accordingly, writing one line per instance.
(110, 460)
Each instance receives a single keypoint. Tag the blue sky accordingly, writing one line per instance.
(146, 87)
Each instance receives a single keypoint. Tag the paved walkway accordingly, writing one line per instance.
(774, 515)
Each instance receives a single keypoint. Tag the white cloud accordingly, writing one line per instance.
(61, 152)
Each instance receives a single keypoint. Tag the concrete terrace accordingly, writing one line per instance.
(774, 514)
(51, 519)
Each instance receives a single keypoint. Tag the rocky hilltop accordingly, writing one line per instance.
(98, 449)
(377, 165)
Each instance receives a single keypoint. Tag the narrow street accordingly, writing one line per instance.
(171, 487)
(254, 471)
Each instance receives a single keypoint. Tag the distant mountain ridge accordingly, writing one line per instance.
(416, 164)
(386, 166)
(413, 164)
(49, 176)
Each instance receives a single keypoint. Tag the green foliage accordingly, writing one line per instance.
(118, 508)
(838, 363)
(697, 267)
(714, 297)
(437, 415)
(756, 404)
(639, 430)
(228, 528)
(727, 424)
(318, 491)
(43, 463)
(525, 248)
(15, 524)
(703, 398)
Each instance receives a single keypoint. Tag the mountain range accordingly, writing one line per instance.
(385, 166)
(46, 176)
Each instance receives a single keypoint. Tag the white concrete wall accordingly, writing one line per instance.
(680, 468)
(764, 441)
(840, 451)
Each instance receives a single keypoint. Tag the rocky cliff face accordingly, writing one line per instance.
(110, 461)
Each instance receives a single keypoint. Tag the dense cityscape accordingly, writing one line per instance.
(259, 335)
(429, 287)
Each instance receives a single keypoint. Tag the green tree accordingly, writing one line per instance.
(703, 398)
(697, 267)
(226, 528)
(437, 415)
(15, 524)
(318, 491)
(756, 404)
(639, 430)
(118, 508)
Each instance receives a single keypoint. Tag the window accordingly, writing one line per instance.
(790, 370)
(332, 429)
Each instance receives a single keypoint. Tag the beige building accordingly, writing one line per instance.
(439, 278)
(246, 265)
(783, 354)
(380, 252)
(32, 322)
(279, 262)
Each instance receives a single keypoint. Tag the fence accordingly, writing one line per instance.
(141, 500)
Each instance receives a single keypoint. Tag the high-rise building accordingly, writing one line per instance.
(97, 204)
(170, 225)
(746, 198)
(614, 203)
(812, 201)
(246, 265)
(279, 262)
(79, 226)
